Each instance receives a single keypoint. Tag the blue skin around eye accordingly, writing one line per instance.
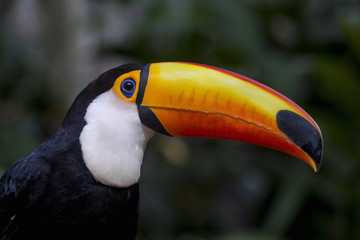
(127, 93)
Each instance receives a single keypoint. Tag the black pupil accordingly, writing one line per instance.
(128, 86)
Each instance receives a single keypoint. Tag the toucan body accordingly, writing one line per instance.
(83, 181)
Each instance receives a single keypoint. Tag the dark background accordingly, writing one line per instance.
(201, 188)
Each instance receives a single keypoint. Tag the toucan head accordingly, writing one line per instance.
(195, 100)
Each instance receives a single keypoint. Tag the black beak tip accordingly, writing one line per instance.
(302, 133)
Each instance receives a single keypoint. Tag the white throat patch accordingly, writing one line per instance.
(113, 140)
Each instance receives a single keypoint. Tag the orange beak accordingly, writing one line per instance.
(194, 100)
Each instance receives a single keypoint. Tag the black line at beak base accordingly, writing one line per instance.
(147, 116)
(144, 75)
(149, 119)
(302, 133)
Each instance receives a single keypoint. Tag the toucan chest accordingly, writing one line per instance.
(93, 211)
(73, 205)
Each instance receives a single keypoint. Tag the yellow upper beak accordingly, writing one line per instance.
(185, 99)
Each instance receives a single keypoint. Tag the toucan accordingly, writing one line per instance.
(83, 182)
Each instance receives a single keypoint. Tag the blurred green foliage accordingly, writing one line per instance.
(203, 188)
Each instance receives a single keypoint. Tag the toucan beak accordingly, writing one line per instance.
(186, 99)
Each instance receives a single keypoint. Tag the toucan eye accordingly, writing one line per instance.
(128, 87)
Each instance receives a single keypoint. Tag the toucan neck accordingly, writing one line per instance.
(113, 140)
